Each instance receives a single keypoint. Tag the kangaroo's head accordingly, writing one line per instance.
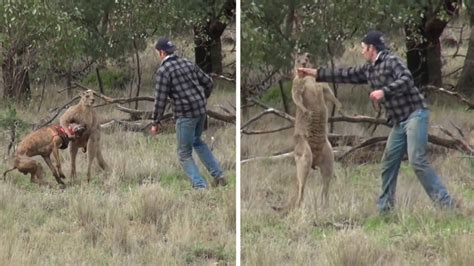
(87, 98)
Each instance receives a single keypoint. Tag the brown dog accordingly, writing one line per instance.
(43, 142)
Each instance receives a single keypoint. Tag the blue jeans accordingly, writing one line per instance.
(410, 135)
(188, 133)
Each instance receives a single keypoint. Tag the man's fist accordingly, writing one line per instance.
(307, 72)
(376, 95)
(155, 129)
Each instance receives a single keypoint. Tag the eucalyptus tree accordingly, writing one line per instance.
(466, 81)
(25, 28)
(113, 30)
(273, 30)
(207, 20)
(424, 22)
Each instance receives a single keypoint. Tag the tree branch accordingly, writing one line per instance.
(260, 132)
(452, 93)
(46, 121)
(452, 143)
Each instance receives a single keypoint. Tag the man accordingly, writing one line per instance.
(188, 88)
(407, 113)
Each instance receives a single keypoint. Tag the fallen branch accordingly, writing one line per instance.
(276, 157)
(227, 110)
(358, 119)
(214, 75)
(366, 143)
(260, 132)
(452, 93)
(110, 100)
(229, 118)
(343, 140)
(455, 144)
(271, 110)
(135, 114)
(458, 129)
(223, 117)
(56, 111)
(266, 112)
(135, 126)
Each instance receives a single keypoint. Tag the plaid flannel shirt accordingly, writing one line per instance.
(184, 84)
(388, 73)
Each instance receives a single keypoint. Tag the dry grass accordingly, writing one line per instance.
(350, 231)
(142, 212)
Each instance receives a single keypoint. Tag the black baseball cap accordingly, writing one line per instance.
(376, 39)
(165, 44)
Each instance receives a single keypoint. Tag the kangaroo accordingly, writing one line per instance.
(312, 148)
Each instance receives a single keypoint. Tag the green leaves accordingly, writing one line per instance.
(10, 119)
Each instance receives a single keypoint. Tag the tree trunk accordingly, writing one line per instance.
(424, 58)
(284, 98)
(69, 81)
(201, 50)
(416, 52)
(433, 62)
(424, 54)
(99, 80)
(7, 72)
(139, 71)
(208, 50)
(207, 39)
(15, 78)
(466, 81)
(216, 55)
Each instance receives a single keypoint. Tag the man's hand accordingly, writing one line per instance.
(155, 129)
(302, 71)
(376, 95)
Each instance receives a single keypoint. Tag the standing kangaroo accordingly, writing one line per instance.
(83, 113)
(312, 147)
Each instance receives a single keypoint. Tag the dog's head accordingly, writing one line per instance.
(75, 131)
(87, 98)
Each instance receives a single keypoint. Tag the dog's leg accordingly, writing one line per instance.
(5, 173)
(57, 158)
(47, 159)
(26, 165)
(73, 153)
(327, 171)
(37, 176)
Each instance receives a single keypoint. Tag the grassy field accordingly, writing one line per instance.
(142, 212)
(349, 231)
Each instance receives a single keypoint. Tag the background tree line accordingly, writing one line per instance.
(273, 30)
(40, 40)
